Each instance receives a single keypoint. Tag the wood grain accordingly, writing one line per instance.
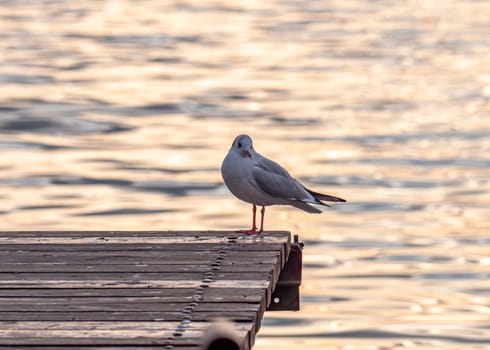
(133, 289)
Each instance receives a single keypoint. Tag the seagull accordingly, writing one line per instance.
(255, 179)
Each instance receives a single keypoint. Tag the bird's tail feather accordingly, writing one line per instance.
(326, 197)
(304, 206)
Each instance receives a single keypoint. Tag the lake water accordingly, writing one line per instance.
(117, 115)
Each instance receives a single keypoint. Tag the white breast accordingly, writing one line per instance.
(237, 175)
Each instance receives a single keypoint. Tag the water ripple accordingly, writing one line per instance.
(347, 180)
(322, 299)
(452, 276)
(441, 162)
(52, 125)
(173, 188)
(356, 207)
(146, 40)
(403, 138)
(378, 334)
(45, 207)
(125, 211)
(26, 79)
(30, 145)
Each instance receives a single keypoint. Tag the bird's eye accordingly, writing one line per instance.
(239, 145)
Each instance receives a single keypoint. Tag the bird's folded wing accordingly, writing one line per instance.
(276, 181)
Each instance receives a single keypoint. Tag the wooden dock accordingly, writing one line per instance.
(137, 290)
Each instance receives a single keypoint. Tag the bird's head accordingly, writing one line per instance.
(243, 145)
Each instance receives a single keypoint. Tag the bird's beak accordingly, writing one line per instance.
(248, 153)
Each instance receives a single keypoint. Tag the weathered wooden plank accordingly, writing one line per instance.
(121, 283)
(161, 254)
(99, 304)
(22, 267)
(182, 236)
(9, 303)
(100, 333)
(149, 257)
(75, 326)
(131, 276)
(23, 245)
(242, 294)
(121, 259)
(57, 338)
(101, 347)
(134, 316)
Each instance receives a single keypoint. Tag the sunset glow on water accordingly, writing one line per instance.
(116, 115)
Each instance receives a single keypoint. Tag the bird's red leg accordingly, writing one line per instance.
(262, 214)
(254, 226)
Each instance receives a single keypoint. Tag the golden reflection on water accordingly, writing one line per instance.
(116, 115)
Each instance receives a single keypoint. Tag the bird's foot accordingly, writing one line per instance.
(252, 231)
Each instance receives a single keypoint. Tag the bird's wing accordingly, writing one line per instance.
(274, 180)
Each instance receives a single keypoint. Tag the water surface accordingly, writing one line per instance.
(117, 114)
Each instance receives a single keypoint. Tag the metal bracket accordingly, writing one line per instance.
(286, 294)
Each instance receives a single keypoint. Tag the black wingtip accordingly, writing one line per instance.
(325, 197)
